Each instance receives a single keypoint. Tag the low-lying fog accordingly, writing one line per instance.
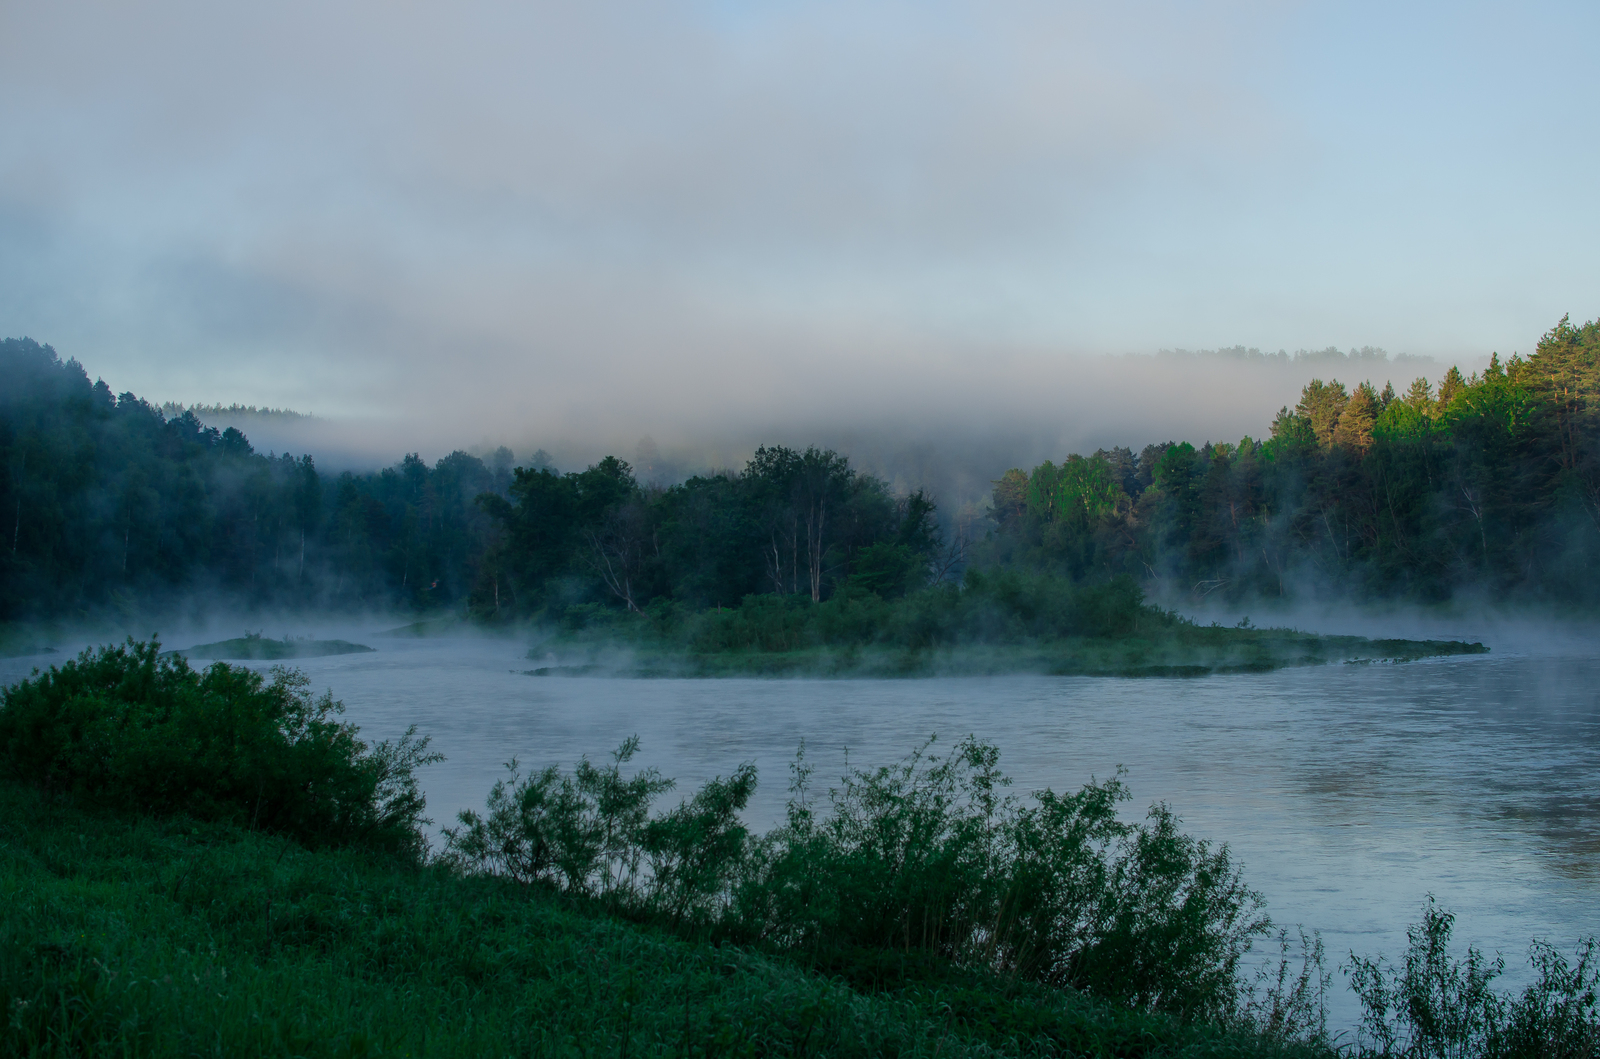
(1348, 792)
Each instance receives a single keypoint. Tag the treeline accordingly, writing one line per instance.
(113, 504)
(109, 504)
(1488, 483)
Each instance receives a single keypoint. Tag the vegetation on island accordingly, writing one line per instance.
(993, 622)
(277, 896)
(253, 647)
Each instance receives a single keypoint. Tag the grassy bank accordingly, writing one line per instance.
(211, 863)
(163, 936)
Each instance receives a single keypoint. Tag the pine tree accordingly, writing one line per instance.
(1322, 403)
(1355, 423)
(1420, 396)
(1450, 388)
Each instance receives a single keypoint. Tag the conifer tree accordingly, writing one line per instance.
(1355, 422)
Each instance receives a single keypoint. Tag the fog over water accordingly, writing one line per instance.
(1348, 792)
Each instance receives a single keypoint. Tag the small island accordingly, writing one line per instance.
(252, 647)
(992, 625)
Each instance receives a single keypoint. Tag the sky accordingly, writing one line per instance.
(717, 223)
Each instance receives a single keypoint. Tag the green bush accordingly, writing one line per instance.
(590, 833)
(929, 856)
(125, 727)
(927, 859)
(989, 607)
(1438, 1006)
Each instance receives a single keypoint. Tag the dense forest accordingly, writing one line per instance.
(1486, 485)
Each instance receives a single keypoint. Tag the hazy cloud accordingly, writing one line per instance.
(705, 221)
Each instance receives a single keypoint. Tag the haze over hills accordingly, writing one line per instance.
(954, 449)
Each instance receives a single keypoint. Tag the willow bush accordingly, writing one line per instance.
(126, 727)
(928, 858)
(1437, 1005)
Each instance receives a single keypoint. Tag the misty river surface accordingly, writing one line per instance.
(1348, 792)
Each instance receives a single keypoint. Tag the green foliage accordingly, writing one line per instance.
(583, 832)
(109, 505)
(1005, 620)
(1490, 484)
(999, 607)
(124, 726)
(926, 857)
(1487, 484)
(161, 937)
(1439, 1007)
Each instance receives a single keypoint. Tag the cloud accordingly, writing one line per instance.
(606, 219)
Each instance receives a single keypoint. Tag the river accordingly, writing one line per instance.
(1348, 792)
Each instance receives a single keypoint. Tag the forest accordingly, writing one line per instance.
(1482, 487)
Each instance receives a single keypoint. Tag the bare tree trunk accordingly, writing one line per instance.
(615, 575)
(816, 522)
(1477, 513)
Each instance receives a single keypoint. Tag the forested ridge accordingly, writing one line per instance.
(1488, 485)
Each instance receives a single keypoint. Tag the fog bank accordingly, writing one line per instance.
(951, 426)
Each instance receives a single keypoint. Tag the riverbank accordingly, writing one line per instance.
(163, 937)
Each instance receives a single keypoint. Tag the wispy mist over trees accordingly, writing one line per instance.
(115, 505)
(1488, 483)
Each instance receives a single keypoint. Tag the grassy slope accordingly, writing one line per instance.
(158, 937)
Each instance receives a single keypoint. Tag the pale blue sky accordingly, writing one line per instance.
(643, 216)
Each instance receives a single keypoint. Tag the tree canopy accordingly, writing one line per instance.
(1488, 483)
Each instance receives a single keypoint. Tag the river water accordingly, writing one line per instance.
(1348, 793)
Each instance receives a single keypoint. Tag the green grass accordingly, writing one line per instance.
(157, 937)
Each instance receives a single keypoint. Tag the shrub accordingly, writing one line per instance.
(927, 859)
(126, 727)
(590, 833)
(930, 856)
(1441, 1006)
(582, 833)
